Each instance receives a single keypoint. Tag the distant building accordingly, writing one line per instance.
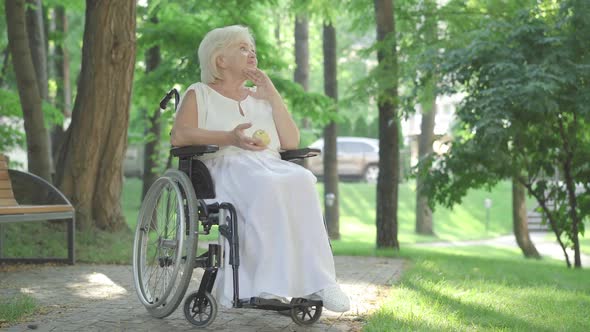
(445, 116)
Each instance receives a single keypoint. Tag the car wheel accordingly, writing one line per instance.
(371, 173)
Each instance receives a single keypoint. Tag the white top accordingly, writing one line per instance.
(217, 112)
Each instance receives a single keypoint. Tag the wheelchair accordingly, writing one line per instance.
(172, 216)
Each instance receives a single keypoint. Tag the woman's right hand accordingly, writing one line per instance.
(241, 140)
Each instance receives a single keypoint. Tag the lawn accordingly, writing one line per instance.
(464, 222)
(357, 224)
(585, 242)
(483, 288)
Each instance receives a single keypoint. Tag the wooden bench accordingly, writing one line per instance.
(25, 197)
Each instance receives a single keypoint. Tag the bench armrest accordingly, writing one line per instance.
(193, 150)
(29, 189)
(299, 153)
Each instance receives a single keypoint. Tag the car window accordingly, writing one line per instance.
(354, 147)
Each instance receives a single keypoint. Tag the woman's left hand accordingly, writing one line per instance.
(264, 87)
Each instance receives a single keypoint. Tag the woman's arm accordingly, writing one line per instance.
(187, 132)
(265, 89)
(286, 127)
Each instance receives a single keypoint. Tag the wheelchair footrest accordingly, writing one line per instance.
(273, 304)
(265, 304)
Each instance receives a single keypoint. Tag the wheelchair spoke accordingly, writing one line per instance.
(163, 249)
(163, 222)
(154, 269)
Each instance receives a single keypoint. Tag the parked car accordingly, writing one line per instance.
(358, 157)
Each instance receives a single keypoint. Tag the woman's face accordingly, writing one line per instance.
(240, 56)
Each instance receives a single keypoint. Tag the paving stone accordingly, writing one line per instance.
(102, 298)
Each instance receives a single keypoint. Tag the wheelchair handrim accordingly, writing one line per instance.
(140, 251)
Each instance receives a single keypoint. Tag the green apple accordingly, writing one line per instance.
(262, 135)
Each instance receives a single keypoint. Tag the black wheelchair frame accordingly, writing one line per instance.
(200, 307)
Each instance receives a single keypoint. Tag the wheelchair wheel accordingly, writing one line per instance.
(305, 316)
(200, 310)
(165, 243)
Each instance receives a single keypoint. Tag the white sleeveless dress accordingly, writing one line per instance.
(284, 247)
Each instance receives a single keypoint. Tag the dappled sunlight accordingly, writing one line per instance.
(456, 227)
(444, 302)
(97, 286)
(483, 288)
(353, 230)
(28, 291)
(363, 296)
(499, 251)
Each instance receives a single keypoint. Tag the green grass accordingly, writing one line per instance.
(483, 288)
(12, 309)
(357, 225)
(585, 243)
(464, 222)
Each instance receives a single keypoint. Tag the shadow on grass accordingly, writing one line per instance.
(484, 288)
(472, 315)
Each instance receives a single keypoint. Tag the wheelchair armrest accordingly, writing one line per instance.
(300, 153)
(193, 150)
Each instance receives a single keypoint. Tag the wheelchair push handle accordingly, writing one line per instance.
(167, 97)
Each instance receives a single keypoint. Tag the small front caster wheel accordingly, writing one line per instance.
(200, 310)
(305, 315)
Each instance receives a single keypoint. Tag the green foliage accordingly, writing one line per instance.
(11, 134)
(525, 115)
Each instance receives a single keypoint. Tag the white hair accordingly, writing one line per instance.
(214, 44)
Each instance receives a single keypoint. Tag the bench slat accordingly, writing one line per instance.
(5, 184)
(6, 193)
(23, 209)
(7, 202)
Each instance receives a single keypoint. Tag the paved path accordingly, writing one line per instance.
(102, 298)
(545, 243)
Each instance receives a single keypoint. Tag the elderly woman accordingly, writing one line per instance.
(284, 249)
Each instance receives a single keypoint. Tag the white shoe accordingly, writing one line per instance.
(268, 296)
(334, 299)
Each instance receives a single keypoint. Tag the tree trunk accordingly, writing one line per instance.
(62, 77)
(423, 212)
(38, 45)
(543, 203)
(36, 33)
(5, 61)
(571, 195)
(30, 97)
(520, 221)
(91, 157)
(152, 130)
(331, 195)
(278, 12)
(579, 22)
(428, 101)
(301, 75)
(388, 180)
